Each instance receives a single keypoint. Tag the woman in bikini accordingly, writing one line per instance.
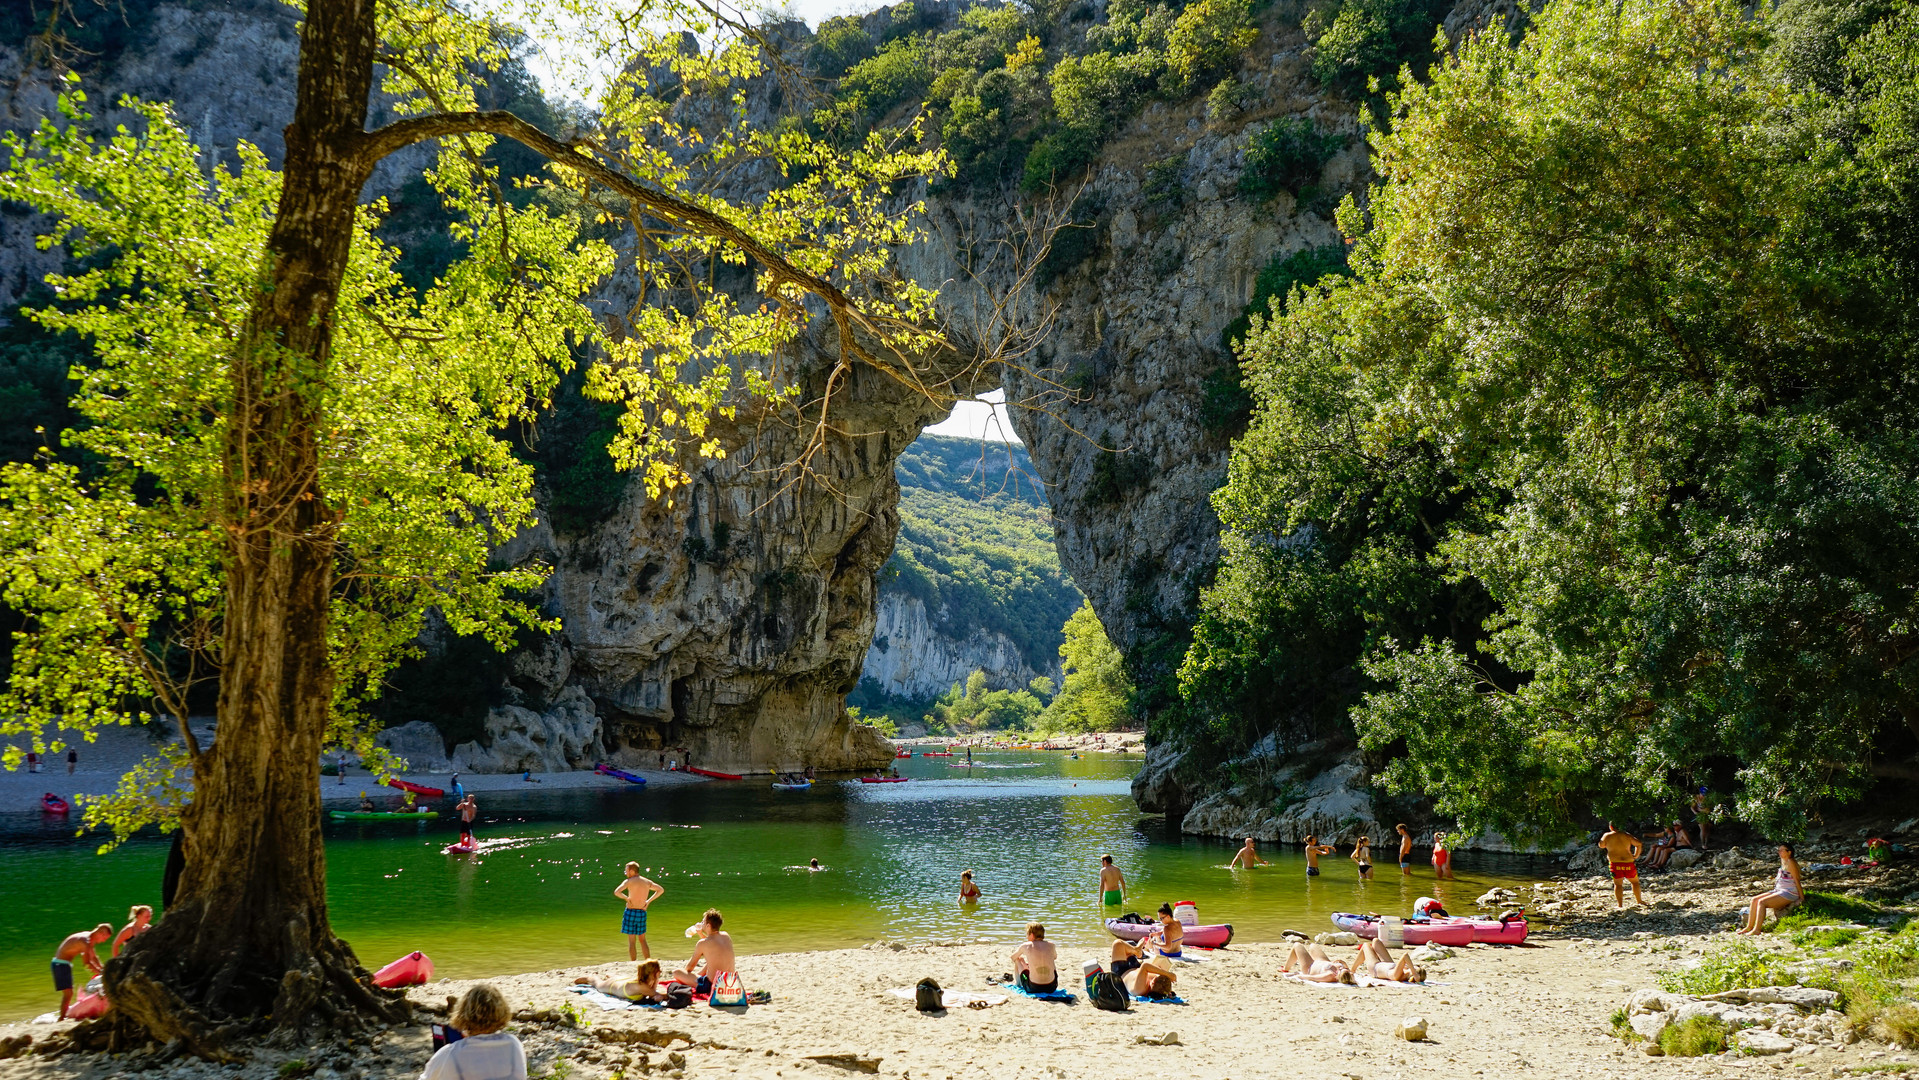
(1170, 933)
(1442, 857)
(1788, 889)
(1309, 962)
(969, 892)
(1363, 855)
(1376, 959)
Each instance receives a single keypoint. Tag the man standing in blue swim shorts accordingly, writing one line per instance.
(637, 892)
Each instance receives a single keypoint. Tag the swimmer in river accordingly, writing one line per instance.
(1248, 856)
(638, 892)
(969, 892)
(814, 864)
(1363, 855)
(1112, 883)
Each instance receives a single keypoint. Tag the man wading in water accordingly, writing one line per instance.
(1622, 851)
(1112, 883)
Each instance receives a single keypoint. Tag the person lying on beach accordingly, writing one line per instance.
(715, 952)
(78, 945)
(1363, 856)
(644, 986)
(138, 919)
(1376, 959)
(1622, 854)
(1788, 891)
(1036, 963)
(638, 892)
(1248, 857)
(483, 1049)
(1126, 956)
(1171, 932)
(969, 892)
(1314, 849)
(1150, 980)
(1309, 962)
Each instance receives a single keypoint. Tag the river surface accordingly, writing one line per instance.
(1030, 824)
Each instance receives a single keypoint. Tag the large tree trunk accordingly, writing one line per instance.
(246, 945)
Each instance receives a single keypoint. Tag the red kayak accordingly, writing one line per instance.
(714, 775)
(413, 969)
(1217, 936)
(54, 804)
(930, 753)
(1492, 931)
(1417, 932)
(417, 789)
(882, 779)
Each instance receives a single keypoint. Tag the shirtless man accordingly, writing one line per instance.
(1314, 849)
(1112, 883)
(1310, 963)
(77, 945)
(1248, 857)
(1405, 849)
(1622, 851)
(138, 919)
(715, 950)
(468, 811)
(1036, 963)
(637, 892)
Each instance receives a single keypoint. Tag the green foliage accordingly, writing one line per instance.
(33, 380)
(1075, 242)
(1286, 155)
(840, 43)
(1695, 1037)
(1229, 98)
(972, 707)
(879, 722)
(1225, 405)
(583, 485)
(1729, 967)
(1095, 694)
(1364, 40)
(1205, 43)
(885, 81)
(1604, 494)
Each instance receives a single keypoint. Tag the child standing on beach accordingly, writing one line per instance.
(638, 892)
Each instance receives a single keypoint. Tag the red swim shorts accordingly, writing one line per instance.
(1624, 871)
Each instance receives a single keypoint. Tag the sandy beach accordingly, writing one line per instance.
(1543, 1010)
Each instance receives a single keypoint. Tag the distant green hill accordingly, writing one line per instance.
(976, 544)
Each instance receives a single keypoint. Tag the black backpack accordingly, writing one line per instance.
(927, 996)
(678, 995)
(1134, 918)
(1108, 992)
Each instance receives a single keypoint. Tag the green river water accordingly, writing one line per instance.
(1030, 824)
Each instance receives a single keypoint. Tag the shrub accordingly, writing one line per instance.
(1225, 407)
(1286, 155)
(841, 43)
(1073, 244)
(1368, 39)
(1728, 968)
(1697, 1037)
(1205, 42)
(1230, 98)
(1163, 189)
(888, 79)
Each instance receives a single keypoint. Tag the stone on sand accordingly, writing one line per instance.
(1412, 1029)
(1761, 1041)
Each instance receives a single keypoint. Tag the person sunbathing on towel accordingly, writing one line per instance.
(1376, 959)
(1150, 980)
(1309, 962)
(1126, 956)
(1036, 963)
(644, 986)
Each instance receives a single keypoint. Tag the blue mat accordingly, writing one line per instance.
(1057, 995)
(611, 1003)
(1160, 1001)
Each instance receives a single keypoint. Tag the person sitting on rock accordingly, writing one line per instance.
(1788, 891)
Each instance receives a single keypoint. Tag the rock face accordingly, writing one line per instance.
(567, 735)
(911, 658)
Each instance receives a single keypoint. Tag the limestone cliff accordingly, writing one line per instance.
(912, 657)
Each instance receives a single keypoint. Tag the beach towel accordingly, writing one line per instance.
(1159, 1001)
(1057, 995)
(952, 999)
(610, 1003)
(1361, 981)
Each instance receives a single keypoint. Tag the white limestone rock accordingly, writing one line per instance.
(1760, 1041)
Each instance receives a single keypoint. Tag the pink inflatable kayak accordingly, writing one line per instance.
(1417, 933)
(413, 969)
(1217, 936)
(87, 1005)
(1490, 931)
